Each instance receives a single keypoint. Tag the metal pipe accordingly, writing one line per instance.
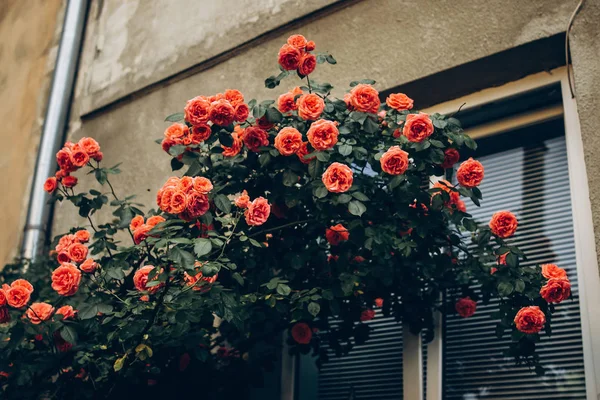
(55, 123)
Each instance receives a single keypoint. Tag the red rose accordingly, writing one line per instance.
(254, 138)
(338, 178)
(50, 185)
(303, 151)
(301, 333)
(140, 280)
(323, 134)
(451, 157)
(288, 141)
(336, 234)
(197, 110)
(257, 212)
(308, 63)
(365, 98)
(241, 112)
(310, 106)
(530, 319)
(65, 279)
(465, 307)
(367, 315)
(69, 181)
(289, 57)
(394, 161)
(556, 290)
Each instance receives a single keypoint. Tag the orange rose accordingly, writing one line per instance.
(196, 110)
(303, 151)
(310, 106)
(196, 205)
(287, 101)
(301, 333)
(308, 63)
(63, 257)
(556, 290)
(501, 259)
(310, 45)
(255, 137)
(205, 280)
(77, 252)
(550, 271)
(234, 96)
(336, 234)
(461, 206)
(2, 298)
(417, 127)
(200, 133)
(79, 157)
(323, 134)
(64, 242)
(140, 280)
(465, 307)
(90, 146)
(176, 131)
(241, 112)
(365, 98)
(17, 297)
(63, 158)
(399, 101)
(202, 185)
(66, 279)
(289, 57)
(178, 202)
(451, 157)
(83, 236)
(136, 222)
(288, 141)
(470, 173)
(185, 183)
(242, 200)
(378, 302)
(50, 185)
(503, 224)
(394, 161)
(221, 112)
(530, 319)
(155, 220)
(69, 181)
(258, 212)
(67, 312)
(39, 312)
(237, 143)
(298, 41)
(446, 186)
(337, 178)
(22, 283)
(90, 265)
(367, 315)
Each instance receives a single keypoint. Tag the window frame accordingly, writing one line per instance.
(585, 246)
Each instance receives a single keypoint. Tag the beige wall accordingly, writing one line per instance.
(393, 41)
(27, 51)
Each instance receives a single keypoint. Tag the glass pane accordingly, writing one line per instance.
(525, 172)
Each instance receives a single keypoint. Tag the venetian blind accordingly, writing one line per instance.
(525, 172)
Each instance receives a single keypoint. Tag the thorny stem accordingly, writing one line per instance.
(309, 86)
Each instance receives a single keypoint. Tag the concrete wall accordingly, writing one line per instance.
(27, 50)
(393, 41)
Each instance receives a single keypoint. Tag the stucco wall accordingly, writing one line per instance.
(394, 41)
(27, 51)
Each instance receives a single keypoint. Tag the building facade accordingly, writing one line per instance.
(142, 60)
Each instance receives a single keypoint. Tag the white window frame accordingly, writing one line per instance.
(585, 247)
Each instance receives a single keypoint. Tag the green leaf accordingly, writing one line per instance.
(238, 278)
(202, 247)
(225, 138)
(345, 149)
(283, 289)
(289, 178)
(175, 117)
(264, 159)
(320, 192)
(255, 243)
(356, 208)
(505, 288)
(512, 260)
(87, 311)
(396, 181)
(176, 164)
(314, 308)
(322, 156)
(273, 115)
(360, 196)
(330, 59)
(223, 203)
(370, 126)
(344, 198)
(119, 363)
(519, 286)
(182, 257)
(69, 334)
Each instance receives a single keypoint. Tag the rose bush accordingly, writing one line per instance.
(287, 214)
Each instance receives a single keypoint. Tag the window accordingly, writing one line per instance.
(534, 166)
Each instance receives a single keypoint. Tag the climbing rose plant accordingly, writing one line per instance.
(288, 213)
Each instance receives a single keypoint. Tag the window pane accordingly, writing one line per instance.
(525, 172)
